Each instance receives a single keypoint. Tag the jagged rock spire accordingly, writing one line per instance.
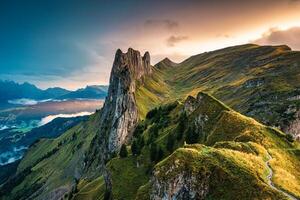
(120, 105)
(119, 115)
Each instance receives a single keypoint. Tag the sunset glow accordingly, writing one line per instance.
(73, 48)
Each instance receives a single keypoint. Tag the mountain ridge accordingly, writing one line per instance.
(26, 90)
(161, 109)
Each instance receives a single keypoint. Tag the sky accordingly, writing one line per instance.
(71, 43)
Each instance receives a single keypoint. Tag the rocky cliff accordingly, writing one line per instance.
(119, 114)
(120, 110)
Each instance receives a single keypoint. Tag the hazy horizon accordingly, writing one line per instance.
(71, 44)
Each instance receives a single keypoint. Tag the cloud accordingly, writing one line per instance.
(221, 35)
(294, 1)
(166, 23)
(50, 118)
(173, 40)
(275, 36)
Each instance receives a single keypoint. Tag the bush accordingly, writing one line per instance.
(123, 151)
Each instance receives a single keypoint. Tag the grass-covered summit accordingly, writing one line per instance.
(260, 81)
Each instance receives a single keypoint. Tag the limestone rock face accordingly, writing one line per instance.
(176, 180)
(120, 110)
(119, 114)
(294, 127)
(182, 186)
(190, 105)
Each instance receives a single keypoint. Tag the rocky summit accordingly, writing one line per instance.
(219, 125)
(119, 115)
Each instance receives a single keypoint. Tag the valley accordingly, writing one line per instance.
(18, 120)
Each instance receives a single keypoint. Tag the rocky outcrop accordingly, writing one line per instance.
(182, 186)
(120, 110)
(190, 105)
(177, 178)
(119, 114)
(252, 83)
(294, 127)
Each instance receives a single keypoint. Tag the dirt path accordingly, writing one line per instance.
(269, 177)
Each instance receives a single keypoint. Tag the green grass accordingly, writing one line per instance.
(229, 174)
(236, 147)
(224, 74)
(93, 190)
(126, 177)
(55, 162)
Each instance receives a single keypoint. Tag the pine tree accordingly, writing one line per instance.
(123, 151)
(134, 148)
(107, 195)
(191, 136)
(153, 152)
(160, 154)
(170, 142)
(141, 142)
(153, 134)
(181, 126)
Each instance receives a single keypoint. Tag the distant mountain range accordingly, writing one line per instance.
(89, 92)
(13, 90)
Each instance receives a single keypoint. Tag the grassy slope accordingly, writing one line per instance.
(233, 174)
(255, 80)
(57, 162)
(223, 73)
(236, 144)
(93, 190)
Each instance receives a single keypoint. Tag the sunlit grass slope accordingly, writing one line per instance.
(234, 151)
(259, 81)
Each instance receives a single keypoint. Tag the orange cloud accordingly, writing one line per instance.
(275, 36)
(173, 40)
